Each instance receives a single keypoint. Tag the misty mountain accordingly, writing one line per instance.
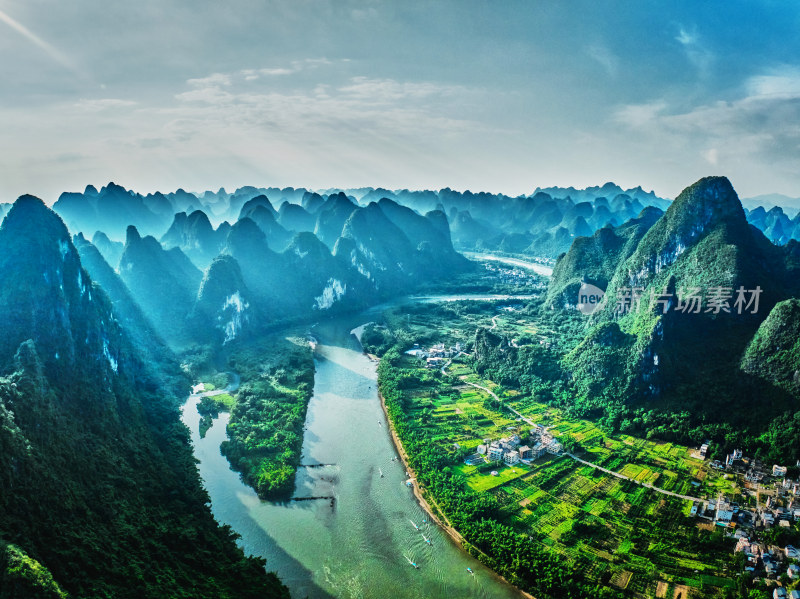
(111, 250)
(223, 309)
(111, 210)
(331, 217)
(196, 237)
(294, 217)
(99, 483)
(261, 211)
(163, 282)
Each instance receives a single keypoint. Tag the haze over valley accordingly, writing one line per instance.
(371, 299)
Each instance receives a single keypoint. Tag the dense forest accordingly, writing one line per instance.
(265, 432)
(101, 496)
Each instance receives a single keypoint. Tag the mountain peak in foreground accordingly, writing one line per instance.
(100, 494)
(59, 309)
(709, 200)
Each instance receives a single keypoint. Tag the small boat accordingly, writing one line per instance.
(414, 525)
(470, 571)
(427, 540)
(381, 471)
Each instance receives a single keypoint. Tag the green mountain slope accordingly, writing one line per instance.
(774, 351)
(100, 488)
(594, 259)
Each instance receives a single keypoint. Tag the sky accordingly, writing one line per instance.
(498, 96)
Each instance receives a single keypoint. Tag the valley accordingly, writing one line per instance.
(357, 299)
(506, 443)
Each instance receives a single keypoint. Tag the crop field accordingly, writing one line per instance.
(620, 532)
(616, 530)
(665, 465)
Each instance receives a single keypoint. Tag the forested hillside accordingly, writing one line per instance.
(100, 497)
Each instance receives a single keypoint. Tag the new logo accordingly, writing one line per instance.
(590, 298)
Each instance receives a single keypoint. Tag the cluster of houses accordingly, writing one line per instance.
(510, 450)
(508, 274)
(436, 355)
(753, 469)
(781, 508)
(773, 561)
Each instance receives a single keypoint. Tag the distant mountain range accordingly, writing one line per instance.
(100, 492)
(771, 200)
(266, 266)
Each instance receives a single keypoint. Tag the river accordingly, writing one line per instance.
(362, 546)
(537, 267)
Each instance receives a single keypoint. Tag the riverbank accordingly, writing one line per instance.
(437, 516)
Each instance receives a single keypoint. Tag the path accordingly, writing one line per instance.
(576, 458)
(623, 477)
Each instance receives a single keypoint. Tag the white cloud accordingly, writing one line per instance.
(696, 51)
(278, 71)
(783, 81)
(104, 104)
(747, 137)
(295, 67)
(216, 79)
(607, 59)
(639, 115)
(686, 38)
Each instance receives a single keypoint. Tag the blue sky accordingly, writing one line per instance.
(495, 96)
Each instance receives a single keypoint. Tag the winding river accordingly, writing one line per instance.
(363, 545)
(537, 267)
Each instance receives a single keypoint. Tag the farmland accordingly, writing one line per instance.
(617, 533)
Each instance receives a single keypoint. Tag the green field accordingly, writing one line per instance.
(617, 532)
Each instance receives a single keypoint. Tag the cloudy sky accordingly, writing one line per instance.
(498, 96)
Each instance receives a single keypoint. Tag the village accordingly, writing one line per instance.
(772, 507)
(515, 275)
(435, 356)
(753, 504)
(510, 450)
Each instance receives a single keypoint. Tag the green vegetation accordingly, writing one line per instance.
(265, 431)
(22, 576)
(99, 485)
(557, 529)
(606, 536)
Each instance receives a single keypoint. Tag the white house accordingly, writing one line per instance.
(511, 458)
(494, 453)
(778, 470)
(724, 515)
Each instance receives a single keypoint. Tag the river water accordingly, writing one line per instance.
(537, 267)
(362, 546)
